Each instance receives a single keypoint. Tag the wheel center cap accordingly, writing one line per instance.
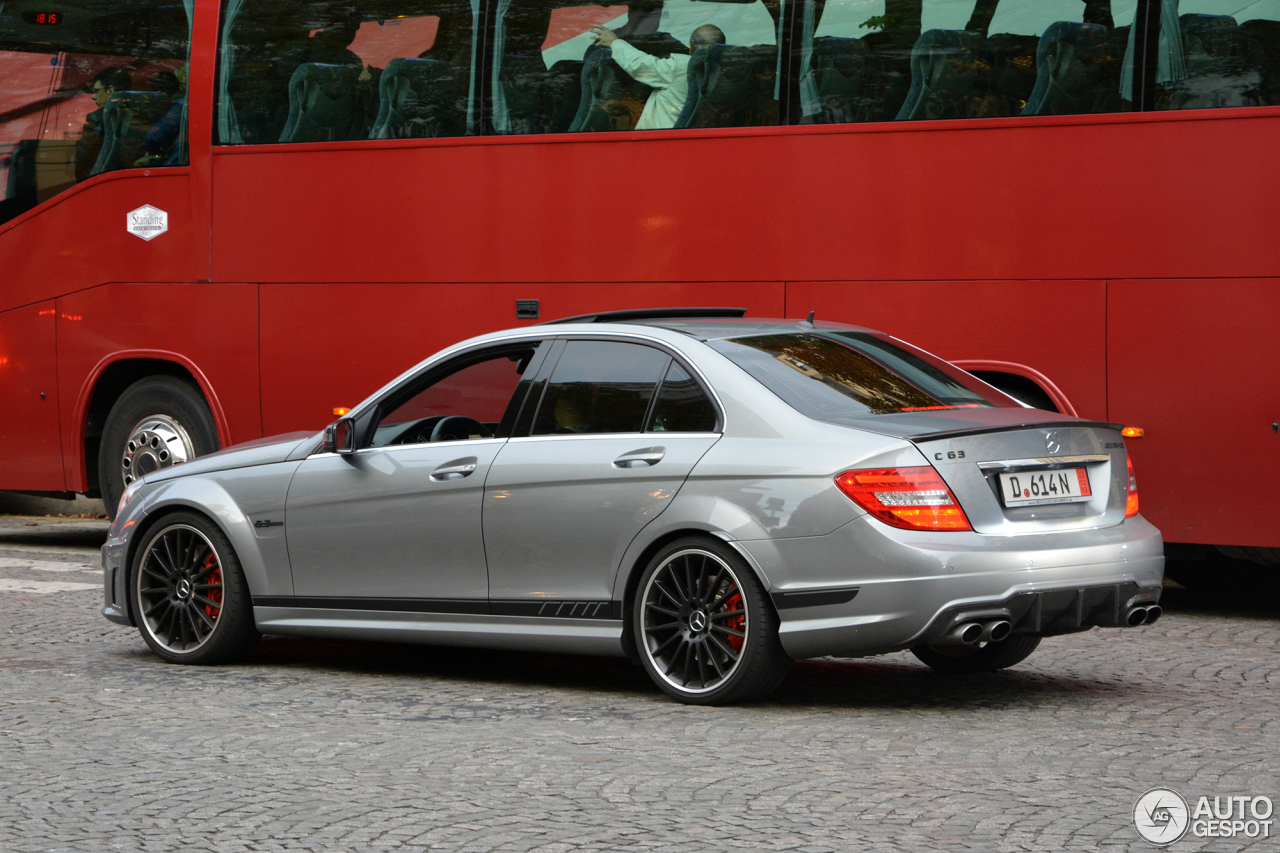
(183, 589)
(698, 620)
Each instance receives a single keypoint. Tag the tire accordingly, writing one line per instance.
(985, 658)
(188, 593)
(704, 627)
(157, 422)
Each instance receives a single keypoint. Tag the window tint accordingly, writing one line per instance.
(838, 375)
(887, 60)
(316, 72)
(682, 406)
(600, 386)
(477, 396)
(679, 63)
(86, 90)
(1218, 53)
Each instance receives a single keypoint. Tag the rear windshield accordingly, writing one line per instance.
(835, 376)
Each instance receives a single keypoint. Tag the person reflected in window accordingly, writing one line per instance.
(164, 134)
(105, 83)
(669, 75)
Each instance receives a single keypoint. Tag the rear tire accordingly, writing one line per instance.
(189, 595)
(163, 411)
(705, 629)
(985, 658)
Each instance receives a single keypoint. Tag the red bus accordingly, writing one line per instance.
(222, 220)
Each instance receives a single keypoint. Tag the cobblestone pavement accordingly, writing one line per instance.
(357, 746)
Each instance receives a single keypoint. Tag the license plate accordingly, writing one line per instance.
(1036, 488)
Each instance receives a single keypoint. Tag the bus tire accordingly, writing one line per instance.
(158, 421)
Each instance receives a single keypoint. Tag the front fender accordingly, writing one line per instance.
(233, 500)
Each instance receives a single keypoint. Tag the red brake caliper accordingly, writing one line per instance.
(214, 595)
(736, 623)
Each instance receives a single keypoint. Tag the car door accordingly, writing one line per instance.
(396, 524)
(616, 428)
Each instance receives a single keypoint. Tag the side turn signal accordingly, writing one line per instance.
(341, 410)
(1133, 432)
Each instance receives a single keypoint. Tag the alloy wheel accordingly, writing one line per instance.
(694, 621)
(180, 588)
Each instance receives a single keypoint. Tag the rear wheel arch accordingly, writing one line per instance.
(1023, 383)
(636, 567)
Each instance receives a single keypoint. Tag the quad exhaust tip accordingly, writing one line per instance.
(972, 633)
(1143, 615)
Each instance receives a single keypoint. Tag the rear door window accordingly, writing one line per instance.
(600, 387)
(836, 375)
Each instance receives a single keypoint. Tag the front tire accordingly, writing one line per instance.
(189, 596)
(988, 657)
(157, 422)
(705, 628)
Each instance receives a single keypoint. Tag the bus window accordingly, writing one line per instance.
(894, 60)
(90, 89)
(1218, 53)
(319, 72)
(682, 63)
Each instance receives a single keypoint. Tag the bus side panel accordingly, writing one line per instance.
(1196, 364)
(81, 239)
(328, 345)
(1055, 327)
(1095, 197)
(30, 450)
(213, 327)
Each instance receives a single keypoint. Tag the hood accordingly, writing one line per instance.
(261, 451)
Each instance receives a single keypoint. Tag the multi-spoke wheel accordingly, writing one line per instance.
(987, 657)
(706, 631)
(189, 595)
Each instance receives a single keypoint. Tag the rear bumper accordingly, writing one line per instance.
(912, 586)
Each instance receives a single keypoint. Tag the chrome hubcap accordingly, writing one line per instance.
(155, 442)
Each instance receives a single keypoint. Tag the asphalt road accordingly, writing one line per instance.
(357, 746)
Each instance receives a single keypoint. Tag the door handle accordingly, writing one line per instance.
(454, 470)
(645, 457)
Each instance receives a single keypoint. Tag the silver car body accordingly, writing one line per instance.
(536, 548)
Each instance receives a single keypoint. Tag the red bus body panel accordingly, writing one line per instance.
(1128, 261)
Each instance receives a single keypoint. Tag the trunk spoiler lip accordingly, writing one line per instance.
(964, 433)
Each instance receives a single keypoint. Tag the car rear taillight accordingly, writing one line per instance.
(1131, 503)
(910, 498)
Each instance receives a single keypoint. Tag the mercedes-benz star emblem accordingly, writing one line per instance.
(698, 620)
(184, 588)
(1051, 442)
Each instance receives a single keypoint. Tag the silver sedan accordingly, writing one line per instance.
(708, 494)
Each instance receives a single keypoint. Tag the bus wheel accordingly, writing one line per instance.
(157, 422)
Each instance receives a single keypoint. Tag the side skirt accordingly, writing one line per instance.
(591, 636)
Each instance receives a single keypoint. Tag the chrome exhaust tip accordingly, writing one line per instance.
(964, 634)
(994, 632)
(1136, 617)
(1153, 613)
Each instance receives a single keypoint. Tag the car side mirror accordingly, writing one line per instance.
(339, 437)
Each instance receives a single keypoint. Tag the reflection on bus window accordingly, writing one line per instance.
(1218, 53)
(95, 88)
(321, 72)
(551, 75)
(896, 60)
